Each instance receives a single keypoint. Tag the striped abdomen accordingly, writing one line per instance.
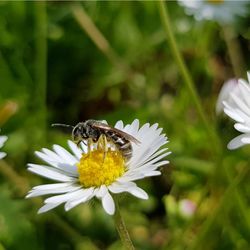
(123, 144)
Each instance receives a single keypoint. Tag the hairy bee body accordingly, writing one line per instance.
(92, 129)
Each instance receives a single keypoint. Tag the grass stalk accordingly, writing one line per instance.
(40, 13)
(186, 76)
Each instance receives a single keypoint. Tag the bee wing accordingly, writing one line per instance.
(118, 131)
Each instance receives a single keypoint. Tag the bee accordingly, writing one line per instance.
(93, 131)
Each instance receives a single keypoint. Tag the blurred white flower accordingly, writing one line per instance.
(222, 11)
(224, 95)
(3, 139)
(85, 174)
(238, 108)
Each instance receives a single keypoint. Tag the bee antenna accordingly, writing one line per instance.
(61, 125)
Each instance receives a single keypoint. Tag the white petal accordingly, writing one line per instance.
(75, 150)
(3, 139)
(149, 134)
(135, 127)
(246, 139)
(153, 161)
(143, 130)
(132, 128)
(152, 165)
(242, 106)
(245, 92)
(51, 186)
(48, 158)
(52, 190)
(65, 197)
(231, 113)
(152, 173)
(158, 152)
(119, 125)
(50, 155)
(135, 176)
(2, 155)
(138, 192)
(147, 151)
(108, 204)
(119, 187)
(86, 195)
(47, 207)
(65, 155)
(65, 167)
(236, 142)
(131, 188)
(50, 173)
(242, 128)
(224, 94)
(101, 191)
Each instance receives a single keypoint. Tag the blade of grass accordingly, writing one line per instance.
(96, 36)
(186, 76)
(212, 219)
(40, 13)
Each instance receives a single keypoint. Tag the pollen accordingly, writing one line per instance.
(100, 167)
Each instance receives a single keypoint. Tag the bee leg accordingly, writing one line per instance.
(79, 142)
(89, 144)
(104, 145)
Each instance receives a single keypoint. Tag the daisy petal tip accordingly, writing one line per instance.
(29, 165)
(27, 196)
(2, 155)
(67, 207)
(144, 196)
(41, 211)
(110, 212)
(138, 192)
(108, 204)
(232, 146)
(37, 153)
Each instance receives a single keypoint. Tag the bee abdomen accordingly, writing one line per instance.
(125, 147)
(122, 144)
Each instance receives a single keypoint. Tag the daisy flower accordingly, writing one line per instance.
(85, 173)
(224, 95)
(239, 110)
(2, 141)
(222, 11)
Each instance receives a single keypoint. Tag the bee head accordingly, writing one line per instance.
(79, 132)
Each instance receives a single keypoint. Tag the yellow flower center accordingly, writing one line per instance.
(99, 167)
(215, 1)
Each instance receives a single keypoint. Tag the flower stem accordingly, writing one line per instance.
(185, 74)
(121, 227)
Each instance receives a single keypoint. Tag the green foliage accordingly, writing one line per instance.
(53, 70)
